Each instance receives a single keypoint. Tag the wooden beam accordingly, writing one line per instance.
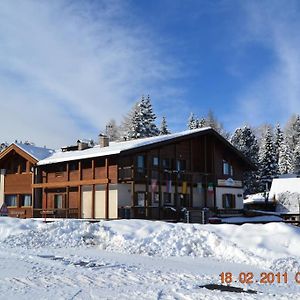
(93, 201)
(79, 170)
(93, 168)
(107, 188)
(70, 183)
(79, 201)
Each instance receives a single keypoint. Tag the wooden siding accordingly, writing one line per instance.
(18, 184)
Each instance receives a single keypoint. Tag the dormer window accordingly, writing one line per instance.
(227, 168)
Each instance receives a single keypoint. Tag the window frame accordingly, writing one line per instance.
(231, 201)
(11, 195)
(22, 200)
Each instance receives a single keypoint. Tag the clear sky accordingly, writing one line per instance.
(67, 67)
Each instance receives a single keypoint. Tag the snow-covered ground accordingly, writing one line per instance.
(137, 259)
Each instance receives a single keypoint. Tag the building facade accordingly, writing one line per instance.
(152, 178)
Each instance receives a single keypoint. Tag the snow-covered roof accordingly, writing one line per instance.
(114, 147)
(282, 185)
(37, 153)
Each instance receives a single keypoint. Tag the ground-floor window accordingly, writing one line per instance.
(25, 200)
(167, 198)
(10, 200)
(228, 200)
(140, 198)
(58, 201)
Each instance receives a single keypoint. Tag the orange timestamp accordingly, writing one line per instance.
(264, 278)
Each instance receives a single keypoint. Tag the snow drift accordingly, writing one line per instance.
(263, 245)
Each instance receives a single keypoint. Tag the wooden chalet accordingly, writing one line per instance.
(150, 178)
(16, 178)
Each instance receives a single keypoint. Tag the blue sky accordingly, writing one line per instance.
(67, 67)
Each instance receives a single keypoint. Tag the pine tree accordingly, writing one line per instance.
(245, 140)
(164, 127)
(202, 123)
(192, 122)
(148, 117)
(278, 141)
(292, 131)
(139, 122)
(268, 167)
(285, 161)
(296, 160)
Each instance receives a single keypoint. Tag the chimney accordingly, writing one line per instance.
(103, 140)
(82, 145)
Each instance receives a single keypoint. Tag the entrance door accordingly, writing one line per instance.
(86, 205)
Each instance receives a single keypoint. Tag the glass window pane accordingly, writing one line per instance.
(58, 201)
(11, 200)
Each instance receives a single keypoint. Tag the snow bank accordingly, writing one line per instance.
(250, 243)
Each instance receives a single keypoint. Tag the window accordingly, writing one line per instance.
(227, 168)
(155, 197)
(58, 201)
(25, 200)
(140, 164)
(140, 197)
(155, 161)
(180, 165)
(166, 163)
(167, 198)
(10, 200)
(228, 200)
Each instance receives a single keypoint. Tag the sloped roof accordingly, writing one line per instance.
(118, 147)
(38, 153)
(114, 147)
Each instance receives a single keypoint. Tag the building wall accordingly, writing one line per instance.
(238, 192)
(2, 178)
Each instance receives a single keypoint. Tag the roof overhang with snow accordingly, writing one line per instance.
(125, 147)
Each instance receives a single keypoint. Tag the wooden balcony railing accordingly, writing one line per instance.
(68, 213)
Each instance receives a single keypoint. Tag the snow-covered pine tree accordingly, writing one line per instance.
(126, 124)
(192, 122)
(164, 127)
(285, 161)
(279, 141)
(296, 160)
(139, 122)
(268, 167)
(292, 131)
(245, 140)
(202, 123)
(136, 127)
(148, 117)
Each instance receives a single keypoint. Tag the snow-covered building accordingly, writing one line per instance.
(144, 178)
(17, 175)
(148, 177)
(285, 192)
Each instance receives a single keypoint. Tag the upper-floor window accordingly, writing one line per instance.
(180, 165)
(227, 168)
(166, 162)
(155, 161)
(140, 163)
